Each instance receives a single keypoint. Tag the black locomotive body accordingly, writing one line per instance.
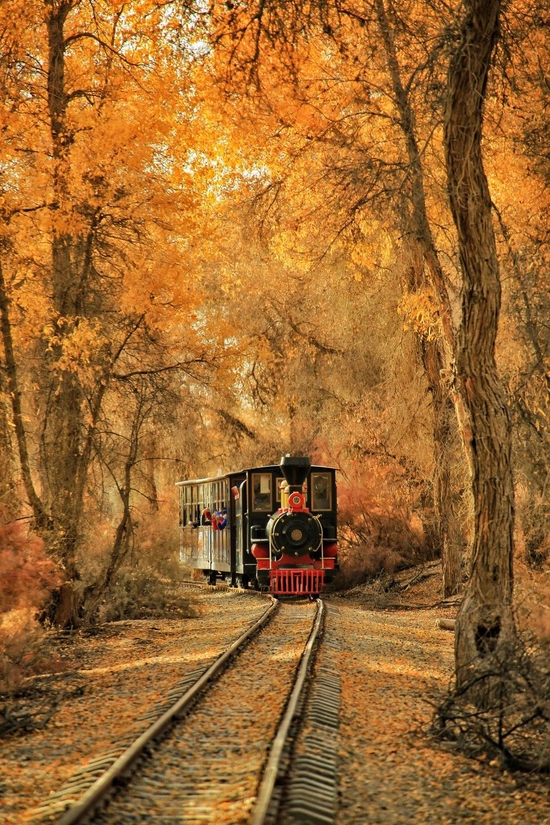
(272, 527)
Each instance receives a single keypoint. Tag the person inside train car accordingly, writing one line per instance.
(220, 517)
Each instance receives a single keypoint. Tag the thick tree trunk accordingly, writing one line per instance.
(485, 620)
(63, 429)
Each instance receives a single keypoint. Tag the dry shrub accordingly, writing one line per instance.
(543, 623)
(146, 584)
(157, 538)
(360, 563)
(154, 537)
(534, 522)
(146, 571)
(94, 549)
(532, 599)
(23, 649)
(27, 577)
(379, 532)
(512, 724)
(140, 592)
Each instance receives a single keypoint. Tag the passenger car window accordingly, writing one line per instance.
(321, 491)
(261, 492)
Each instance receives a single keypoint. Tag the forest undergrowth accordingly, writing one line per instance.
(142, 588)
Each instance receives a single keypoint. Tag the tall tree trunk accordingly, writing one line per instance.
(63, 428)
(41, 518)
(485, 620)
(8, 485)
(437, 355)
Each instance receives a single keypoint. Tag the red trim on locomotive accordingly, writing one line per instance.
(292, 582)
(292, 550)
(296, 501)
(260, 551)
(291, 574)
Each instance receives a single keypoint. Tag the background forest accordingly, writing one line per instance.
(225, 235)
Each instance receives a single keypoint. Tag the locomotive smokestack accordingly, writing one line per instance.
(295, 470)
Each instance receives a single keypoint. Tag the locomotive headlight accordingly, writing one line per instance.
(296, 539)
(296, 501)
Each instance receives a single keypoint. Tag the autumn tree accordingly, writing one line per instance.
(324, 367)
(516, 161)
(100, 191)
(356, 123)
(485, 620)
(132, 284)
(361, 126)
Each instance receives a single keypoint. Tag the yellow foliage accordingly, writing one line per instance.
(81, 343)
(420, 313)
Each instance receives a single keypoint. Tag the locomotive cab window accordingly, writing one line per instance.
(261, 492)
(321, 491)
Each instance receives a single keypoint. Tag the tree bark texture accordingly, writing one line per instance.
(485, 620)
(8, 474)
(63, 425)
(63, 430)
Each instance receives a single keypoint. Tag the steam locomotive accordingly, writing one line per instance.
(273, 528)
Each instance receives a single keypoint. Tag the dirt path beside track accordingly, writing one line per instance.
(392, 665)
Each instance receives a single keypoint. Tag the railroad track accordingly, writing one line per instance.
(206, 767)
(300, 780)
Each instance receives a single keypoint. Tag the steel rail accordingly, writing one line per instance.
(271, 771)
(97, 792)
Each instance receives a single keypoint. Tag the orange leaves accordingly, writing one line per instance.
(130, 182)
(26, 573)
(27, 577)
(82, 346)
(420, 312)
